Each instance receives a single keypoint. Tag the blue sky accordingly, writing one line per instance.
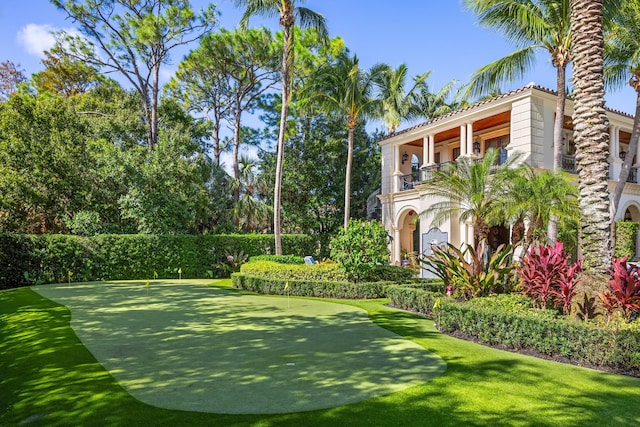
(428, 35)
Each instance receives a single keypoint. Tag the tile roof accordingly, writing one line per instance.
(531, 85)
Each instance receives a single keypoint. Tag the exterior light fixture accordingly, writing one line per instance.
(623, 154)
(476, 148)
(405, 157)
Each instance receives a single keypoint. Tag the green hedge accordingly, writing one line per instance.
(310, 288)
(626, 233)
(507, 320)
(29, 259)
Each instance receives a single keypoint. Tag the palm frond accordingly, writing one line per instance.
(491, 77)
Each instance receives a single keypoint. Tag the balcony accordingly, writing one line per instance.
(569, 165)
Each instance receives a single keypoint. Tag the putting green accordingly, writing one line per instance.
(184, 345)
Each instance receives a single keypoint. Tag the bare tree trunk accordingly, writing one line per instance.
(153, 137)
(236, 153)
(592, 133)
(347, 183)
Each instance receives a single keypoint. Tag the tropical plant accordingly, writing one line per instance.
(526, 195)
(360, 247)
(623, 290)
(591, 131)
(345, 90)
(548, 278)
(622, 66)
(467, 189)
(469, 272)
(588, 309)
(289, 15)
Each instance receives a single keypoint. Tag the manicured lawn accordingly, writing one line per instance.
(48, 377)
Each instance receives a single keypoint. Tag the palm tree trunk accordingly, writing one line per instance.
(347, 183)
(558, 126)
(628, 160)
(591, 132)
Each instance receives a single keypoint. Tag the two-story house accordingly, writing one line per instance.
(520, 120)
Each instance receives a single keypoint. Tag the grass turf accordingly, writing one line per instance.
(49, 378)
(184, 345)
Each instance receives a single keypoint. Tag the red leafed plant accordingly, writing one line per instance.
(548, 278)
(623, 292)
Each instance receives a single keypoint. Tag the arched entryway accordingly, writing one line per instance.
(632, 214)
(408, 236)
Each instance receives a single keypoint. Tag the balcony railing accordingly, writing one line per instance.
(569, 164)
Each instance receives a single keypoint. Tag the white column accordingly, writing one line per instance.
(396, 247)
(432, 149)
(614, 142)
(395, 176)
(425, 151)
(396, 159)
(469, 138)
(463, 140)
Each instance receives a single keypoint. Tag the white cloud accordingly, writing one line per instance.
(36, 38)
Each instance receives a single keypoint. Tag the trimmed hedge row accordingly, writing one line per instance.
(322, 272)
(519, 329)
(309, 288)
(29, 259)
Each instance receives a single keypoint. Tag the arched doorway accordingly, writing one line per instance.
(409, 236)
(632, 214)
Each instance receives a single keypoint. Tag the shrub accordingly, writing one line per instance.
(389, 273)
(360, 247)
(548, 278)
(623, 293)
(468, 273)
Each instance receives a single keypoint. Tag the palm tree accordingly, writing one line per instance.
(622, 66)
(344, 89)
(524, 194)
(251, 212)
(530, 25)
(591, 133)
(396, 102)
(466, 189)
(289, 15)
(430, 105)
